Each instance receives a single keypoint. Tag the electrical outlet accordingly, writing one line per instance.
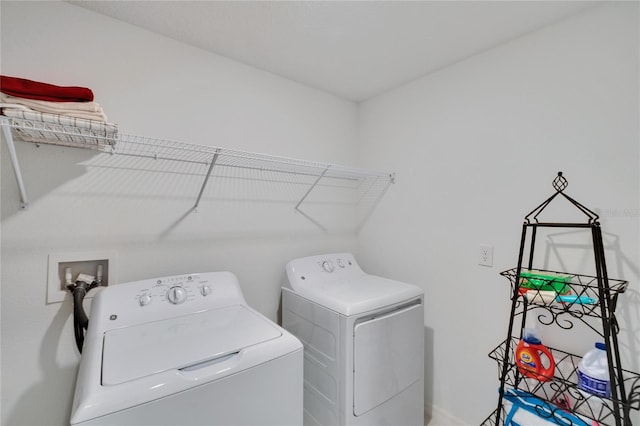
(485, 255)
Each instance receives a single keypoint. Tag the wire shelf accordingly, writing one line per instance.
(91, 134)
(144, 147)
(355, 187)
(61, 130)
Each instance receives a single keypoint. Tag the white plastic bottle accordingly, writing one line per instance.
(593, 372)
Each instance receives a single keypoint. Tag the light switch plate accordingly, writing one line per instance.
(485, 255)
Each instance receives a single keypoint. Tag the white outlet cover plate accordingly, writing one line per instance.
(54, 294)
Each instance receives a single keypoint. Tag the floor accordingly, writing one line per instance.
(440, 418)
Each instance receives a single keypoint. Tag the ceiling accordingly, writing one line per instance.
(353, 49)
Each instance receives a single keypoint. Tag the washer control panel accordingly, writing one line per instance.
(154, 299)
(174, 290)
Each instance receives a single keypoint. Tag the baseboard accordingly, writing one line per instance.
(436, 416)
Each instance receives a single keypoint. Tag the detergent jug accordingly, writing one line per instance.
(533, 359)
(593, 372)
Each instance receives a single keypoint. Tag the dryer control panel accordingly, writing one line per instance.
(322, 268)
(330, 264)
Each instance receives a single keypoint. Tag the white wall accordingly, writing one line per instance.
(475, 147)
(151, 86)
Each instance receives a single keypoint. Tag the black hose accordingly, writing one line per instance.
(79, 333)
(78, 310)
(80, 319)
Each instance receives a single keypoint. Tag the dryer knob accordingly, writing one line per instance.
(177, 295)
(327, 265)
(205, 290)
(144, 300)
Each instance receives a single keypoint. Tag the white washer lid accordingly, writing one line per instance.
(357, 294)
(142, 350)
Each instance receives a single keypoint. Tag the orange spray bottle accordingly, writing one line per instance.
(533, 359)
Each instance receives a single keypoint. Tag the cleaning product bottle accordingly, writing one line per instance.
(593, 372)
(533, 359)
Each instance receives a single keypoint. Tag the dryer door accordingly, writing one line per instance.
(388, 356)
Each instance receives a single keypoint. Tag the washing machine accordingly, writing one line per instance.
(363, 338)
(186, 350)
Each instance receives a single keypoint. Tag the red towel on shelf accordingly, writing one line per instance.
(30, 89)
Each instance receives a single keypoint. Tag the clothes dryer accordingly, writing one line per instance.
(185, 350)
(363, 339)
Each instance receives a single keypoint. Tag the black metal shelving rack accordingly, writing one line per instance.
(561, 391)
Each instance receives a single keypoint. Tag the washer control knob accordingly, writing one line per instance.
(340, 263)
(144, 300)
(205, 290)
(177, 295)
(327, 265)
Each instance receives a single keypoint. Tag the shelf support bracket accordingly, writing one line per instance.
(206, 179)
(8, 137)
(306, 194)
(324, 172)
